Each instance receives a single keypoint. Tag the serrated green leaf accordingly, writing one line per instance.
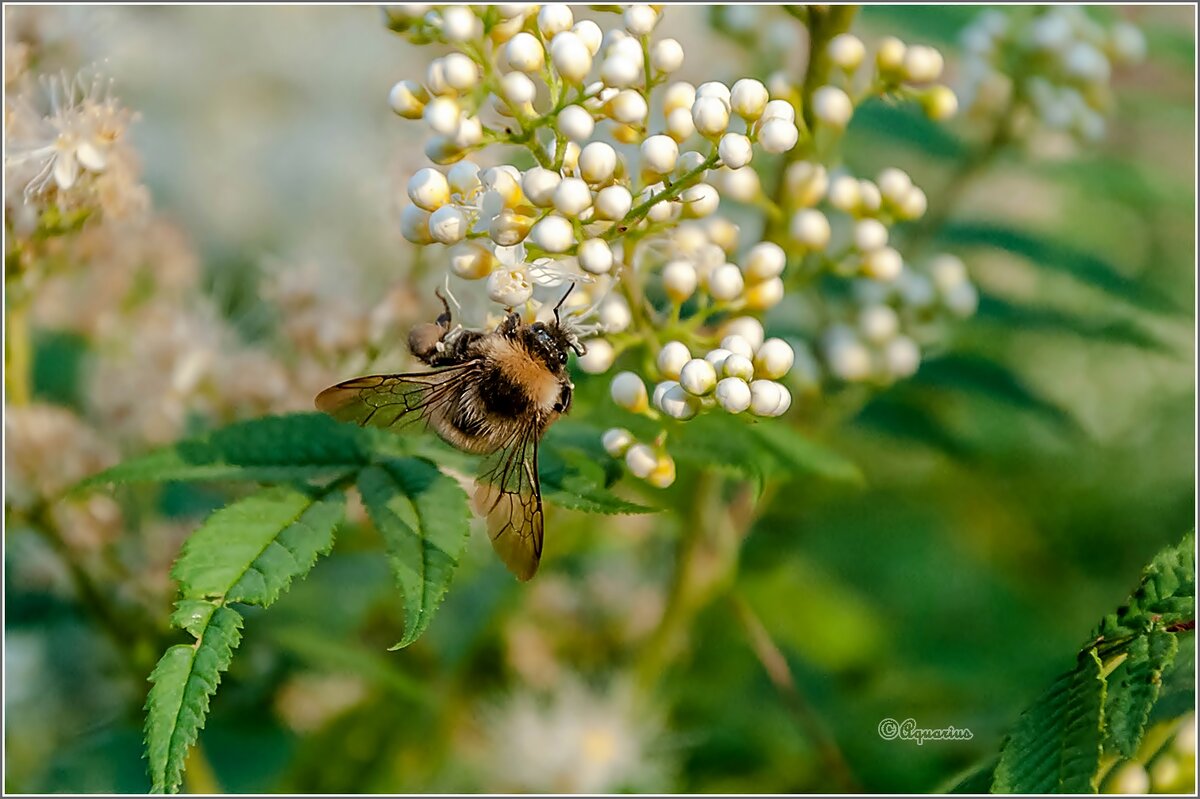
(1166, 596)
(997, 311)
(183, 681)
(1084, 266)
(1055, 747)
(1133, 689)
(423, 517)
(251, 550)
(192, 615)
(976, 779)
(294, 447)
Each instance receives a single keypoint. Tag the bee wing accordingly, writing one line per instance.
(509, 494)
(388, 400)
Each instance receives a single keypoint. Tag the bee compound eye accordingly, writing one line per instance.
(562, 357)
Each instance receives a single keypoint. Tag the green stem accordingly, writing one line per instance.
(638, 212)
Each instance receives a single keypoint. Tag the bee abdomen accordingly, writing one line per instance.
(503, 396)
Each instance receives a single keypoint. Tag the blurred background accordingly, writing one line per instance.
(1014, 487)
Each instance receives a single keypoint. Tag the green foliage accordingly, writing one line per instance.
(1024, 317)
(1086, 267)
(423, 518)
(251, 550)
(1103, 705)
(1056, 744)
(183, 681)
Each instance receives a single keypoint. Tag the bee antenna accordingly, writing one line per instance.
(566, 294)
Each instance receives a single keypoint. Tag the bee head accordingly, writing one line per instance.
(551, 342)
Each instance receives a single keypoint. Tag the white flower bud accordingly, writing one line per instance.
(448, 225)
(883, 264)
(735, 150)
(671, 358)
(572, 197)
(509, 287)
(778, 135)
(460, 72)
(725, 284)
(747, 327)
(590, 34)
(764, 261)
(870, 234)
(629, 392)
(810, 228)
(680, 94)
(901, 357)
(1130, 779)
(429, 189)
(1085, 62)
(463, 178)
(737, 366)
(846, 356)
(679, 280)
(539, 185)
(570, 56)
(768, 398)
(552, 233)
(722, 232)
(471, 261)
(414, 225)
(710, 115)
(733, 394)
(748, 98)
(663, 211)
(699, 201)
(620, 71)
(763, 295)
(613, 203)
(641, 460)
(518, 88)
(774, 359)
(442, 115)
(832, 106)
(948, 272)
(845, 194)
(738, 345)
(666, 56)
(846, 51)
(614, 314)
(806, 183)
(407, 98)
(640, 19)
(468, 134)
(459, 24)
(894, 184)
(435, 79)
(741, 184)
(524, 53)
(922, 64)
(671, 399)
(716, 358)
(508, 228)
(890, 55)
(599, 357)
(663, 475)
(679, 124)
(689, 162)
(1128, 46)
(778, 109)
(939, 102)
(595, 256)
(628, 107)
(697, 377)
(576, 123)
(659, 154)
(597, 162)
(554, 18)
(878, 323)
(714, 88)
(616, 441)
(912, 205)
(510, 11)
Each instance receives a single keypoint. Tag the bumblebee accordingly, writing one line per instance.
(489, 393)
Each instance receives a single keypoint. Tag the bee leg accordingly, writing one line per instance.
(444, 318)
(509, 325)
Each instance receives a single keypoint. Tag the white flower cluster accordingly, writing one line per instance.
(1050, 65)
(74, 156)
(622, 195)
